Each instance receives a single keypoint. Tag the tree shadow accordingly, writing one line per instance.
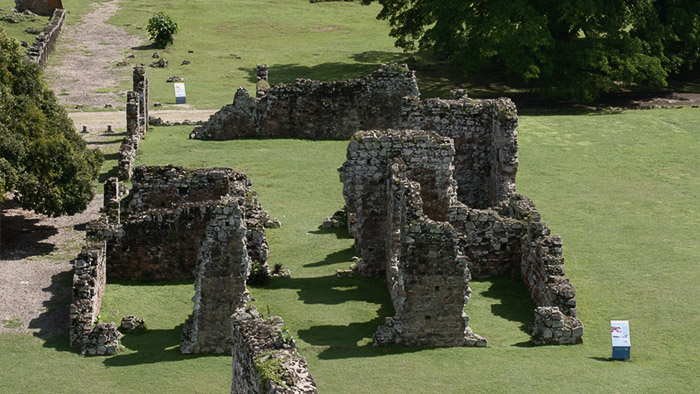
(145, 47)
(21, 236)
(55, 320)
(340, 232)
(109, 142)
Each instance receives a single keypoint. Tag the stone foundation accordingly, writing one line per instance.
(258, 346)
(313, 109)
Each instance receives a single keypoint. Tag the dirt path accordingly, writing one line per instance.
(87, 56)
(35, 271)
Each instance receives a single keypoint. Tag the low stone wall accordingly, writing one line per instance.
(315, 110)
(263, 362)
(45, 42)
(89, 280)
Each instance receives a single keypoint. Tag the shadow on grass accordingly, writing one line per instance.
(516, 304)
(340, 232)
(334, 258)
(54, 319)
(150, 347)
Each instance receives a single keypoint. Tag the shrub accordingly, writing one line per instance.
(162, 29)
(258, 274)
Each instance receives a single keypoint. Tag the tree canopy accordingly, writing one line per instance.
(42, 157)
(573, 49)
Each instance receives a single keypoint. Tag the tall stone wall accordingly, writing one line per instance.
(45, 42)
(485, 141)
(220, 279)
(428, 159)
(166, 214)
(89, 280)
(313, 109)
(427, 278)
(258, 345)
(136, 123)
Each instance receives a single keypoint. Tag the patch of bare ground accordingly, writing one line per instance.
(35, 271)
(85, 72)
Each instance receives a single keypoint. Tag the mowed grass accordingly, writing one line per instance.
(622, 190)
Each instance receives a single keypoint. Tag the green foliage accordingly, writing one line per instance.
(270, 367)
(259, 274)
(41, 155)
(569, 49)
(162, 29)
(285, 335)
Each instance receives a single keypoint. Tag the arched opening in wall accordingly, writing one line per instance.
(501, 309)
(164, 305)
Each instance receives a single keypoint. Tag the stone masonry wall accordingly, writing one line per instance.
(485, 141)
(428, 159)
(505, 239)
(136, 123)
(313, 109)
(220, 279)
(89, 280)
(258, 345)
(165, 216)
(427, 278)
(45, 42)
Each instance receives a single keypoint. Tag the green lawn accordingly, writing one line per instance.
(622, 190)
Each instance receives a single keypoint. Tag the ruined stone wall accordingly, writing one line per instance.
(258, 343)
(313, 109)
(165, 215)
(220, 279)
(89, 280)
(485, 141)
(428, 159)
(45, 42)
(39, 7)
(136, 123)
(427, 278)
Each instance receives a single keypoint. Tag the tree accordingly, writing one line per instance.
(162, 29)
(573, 49)
(42, 157)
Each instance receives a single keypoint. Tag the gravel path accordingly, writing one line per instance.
(88, 53)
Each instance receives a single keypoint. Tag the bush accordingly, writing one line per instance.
(259, 274)
(162, 29)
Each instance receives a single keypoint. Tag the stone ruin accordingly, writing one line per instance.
(430, 205)
(313, 109)
(176, 223)
(45, 42)
(39, 7)
(136, 122)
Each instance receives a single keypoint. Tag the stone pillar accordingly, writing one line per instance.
(132, 113)
(262, 85)
(140, 86)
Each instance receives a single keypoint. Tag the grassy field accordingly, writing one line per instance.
(622, 190)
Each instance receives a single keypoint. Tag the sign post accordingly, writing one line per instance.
(620, 331)
(180, 95)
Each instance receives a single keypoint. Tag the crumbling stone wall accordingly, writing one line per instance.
(39, 7)
(166, 214)
(485, 140)
(45, 42)
(136, 123)
(88, 288)
(427, 278)
(258, 344)
(220, 279)
(313, 109)
(504, 237)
